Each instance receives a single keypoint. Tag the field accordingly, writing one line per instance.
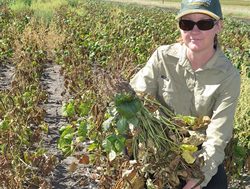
(238, 9)
(54, 125)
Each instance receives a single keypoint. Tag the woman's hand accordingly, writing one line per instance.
(191, 183)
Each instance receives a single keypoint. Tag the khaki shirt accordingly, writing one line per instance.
(209, 91)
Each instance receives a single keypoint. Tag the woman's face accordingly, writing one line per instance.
(199, 40)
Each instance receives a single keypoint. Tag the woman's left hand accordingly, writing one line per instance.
(191, 183)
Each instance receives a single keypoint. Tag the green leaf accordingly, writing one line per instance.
(68, 109)
(62, 128)
(188, 147)
(26, 157)
(82, 129)
(2, 148)
(107, 145)
(188, 157)
(93, 146)
(187, 153)
(65, 142)
(66, 130)
(45, 127)
(129, 109)
(4, 125)
(122, 125)
(134, 121)
(121, 98)
(67, 149)
(119, 144)
(80, 139)
(112, 138)
(27, 95)
(40, 152)
(69, 136)
(24, 139)
(84, 108)
(240, 151)
(189, 120)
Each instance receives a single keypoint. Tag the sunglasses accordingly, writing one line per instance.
(188, 25)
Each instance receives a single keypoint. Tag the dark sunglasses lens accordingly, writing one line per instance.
(186, 25)
(205, 24)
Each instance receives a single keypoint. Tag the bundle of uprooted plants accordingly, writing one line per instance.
(162, 147)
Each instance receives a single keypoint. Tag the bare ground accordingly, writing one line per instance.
(68, 174)
(6, 74)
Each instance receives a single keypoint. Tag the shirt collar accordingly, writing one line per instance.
(218, 61)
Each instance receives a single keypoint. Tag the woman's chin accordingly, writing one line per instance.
(194, 47)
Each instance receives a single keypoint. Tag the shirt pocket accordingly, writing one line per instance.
(205, 99)
(166, 91)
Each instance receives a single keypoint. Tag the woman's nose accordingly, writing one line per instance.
(195, 28)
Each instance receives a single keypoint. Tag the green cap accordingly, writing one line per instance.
(210, 7)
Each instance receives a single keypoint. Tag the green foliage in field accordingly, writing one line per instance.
(235, 40)
(242, 122)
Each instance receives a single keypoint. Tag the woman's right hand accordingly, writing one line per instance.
(190, 184)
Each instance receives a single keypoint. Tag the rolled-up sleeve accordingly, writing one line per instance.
(145, 80)
(219, 131)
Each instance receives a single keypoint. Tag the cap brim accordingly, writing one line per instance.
(191, 11)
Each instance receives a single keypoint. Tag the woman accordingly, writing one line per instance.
(195, 78)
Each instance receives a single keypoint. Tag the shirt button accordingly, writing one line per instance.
(190, 83)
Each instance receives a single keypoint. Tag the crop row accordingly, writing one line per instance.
(23, 160)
